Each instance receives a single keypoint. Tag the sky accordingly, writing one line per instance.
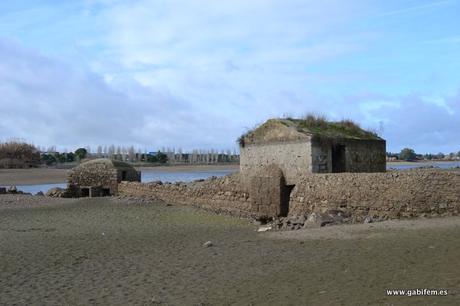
(199, 73)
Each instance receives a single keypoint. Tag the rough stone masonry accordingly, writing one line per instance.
(390, 195)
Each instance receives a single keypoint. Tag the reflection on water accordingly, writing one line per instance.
(147, 176)
(183, 176)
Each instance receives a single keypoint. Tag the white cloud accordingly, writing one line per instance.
(197, 73)
(48, 102)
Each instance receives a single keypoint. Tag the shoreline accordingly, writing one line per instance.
(35, 176)
(423, 162)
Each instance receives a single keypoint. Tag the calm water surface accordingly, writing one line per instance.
(440, 165)
(146, 176)
(188, 176)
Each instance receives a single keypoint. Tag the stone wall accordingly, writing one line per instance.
(384, 195)
(365, 155)
(389, 195)
(268, 192)
(359, 155)
(218, 194)
(294, 158)
(98, 175)
(297, 158)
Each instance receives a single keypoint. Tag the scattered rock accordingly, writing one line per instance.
(264, 219)
(12, 189)
(207, 244)
(56, 192)
(318, 219)
(368, 219)
(40, 193)
(264, 228)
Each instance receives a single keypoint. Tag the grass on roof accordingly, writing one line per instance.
(319, 125)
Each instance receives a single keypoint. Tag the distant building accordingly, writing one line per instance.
(100, 177)
(311, 146)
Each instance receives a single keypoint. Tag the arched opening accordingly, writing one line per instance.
(285, 199)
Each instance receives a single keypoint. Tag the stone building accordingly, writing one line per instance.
(312, 145)
(100, 177)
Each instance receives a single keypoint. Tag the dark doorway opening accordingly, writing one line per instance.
(123, 175)
(106, 192)
(338, 158)
(84, 192)
(285, 198)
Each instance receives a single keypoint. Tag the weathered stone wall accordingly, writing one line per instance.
(297, 158)
(365, 155)
(268, 192)
(360, 155)
(100, 174)
(94, 176)
(321, 157)
(385, 195)
(391, 194)
(293, 158)
(219, 194)
(97, 175)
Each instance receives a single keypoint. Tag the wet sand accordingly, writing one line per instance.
(109, 251)
(33, 176)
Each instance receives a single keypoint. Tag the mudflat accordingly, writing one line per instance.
(111, 251)
(32, 176)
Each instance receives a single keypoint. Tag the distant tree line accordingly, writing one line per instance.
(18, 154)
(408, 154)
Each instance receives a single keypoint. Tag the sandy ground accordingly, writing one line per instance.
(32, 176)
(108, 251)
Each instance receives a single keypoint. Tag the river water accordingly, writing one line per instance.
(188, 176)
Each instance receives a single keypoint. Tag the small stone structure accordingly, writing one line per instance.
(99, 177)
(298, 149)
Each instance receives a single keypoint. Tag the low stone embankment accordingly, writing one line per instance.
(378, 195)
(322, 199)
(222, 194)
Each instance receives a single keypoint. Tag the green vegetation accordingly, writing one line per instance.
(81, 153)
(407, 154)
(159, 157)
(56, 157)
(317, 125)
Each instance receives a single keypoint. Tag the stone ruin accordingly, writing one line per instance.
(298, 149)
(99, 177)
